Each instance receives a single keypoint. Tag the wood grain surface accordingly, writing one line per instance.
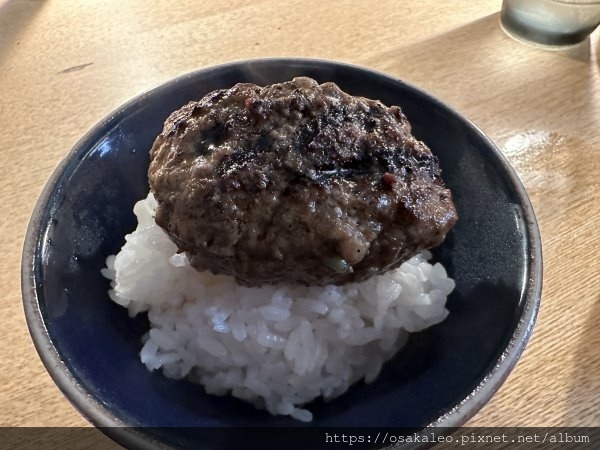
(65, 64)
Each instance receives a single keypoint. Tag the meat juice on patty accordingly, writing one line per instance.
(296, 182)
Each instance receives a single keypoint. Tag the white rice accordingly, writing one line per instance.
(278, 347)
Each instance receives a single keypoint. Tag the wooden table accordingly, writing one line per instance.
(65, 65)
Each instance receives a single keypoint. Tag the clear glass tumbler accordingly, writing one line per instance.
(550, 22)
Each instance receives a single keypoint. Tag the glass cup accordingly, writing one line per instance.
(550, 22)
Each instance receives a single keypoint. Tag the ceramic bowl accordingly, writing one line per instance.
(442, 377)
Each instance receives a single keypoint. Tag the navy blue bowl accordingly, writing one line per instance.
(444, 375)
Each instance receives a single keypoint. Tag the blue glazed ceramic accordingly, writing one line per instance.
(445, 375)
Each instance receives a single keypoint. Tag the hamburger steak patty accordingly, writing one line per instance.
(296, 182)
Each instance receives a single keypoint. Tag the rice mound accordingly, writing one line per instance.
(277, 347)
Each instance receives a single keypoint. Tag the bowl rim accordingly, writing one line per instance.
(124, 433)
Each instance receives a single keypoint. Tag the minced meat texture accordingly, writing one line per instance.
(296, 182)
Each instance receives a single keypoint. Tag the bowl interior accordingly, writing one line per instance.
(86, 210)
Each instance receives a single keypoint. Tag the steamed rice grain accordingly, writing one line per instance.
(278, 347)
